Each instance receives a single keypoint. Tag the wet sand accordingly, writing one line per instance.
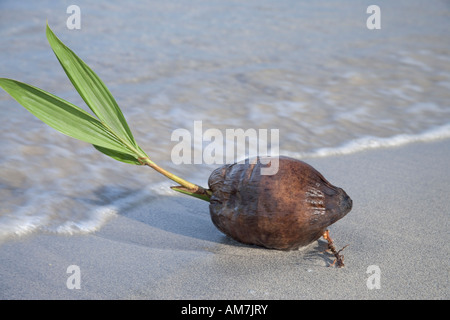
(167, 247)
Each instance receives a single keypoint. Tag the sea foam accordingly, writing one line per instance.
(370, 142)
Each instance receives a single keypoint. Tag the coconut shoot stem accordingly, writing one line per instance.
(185, 187)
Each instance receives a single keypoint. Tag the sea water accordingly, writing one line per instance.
(311, 69)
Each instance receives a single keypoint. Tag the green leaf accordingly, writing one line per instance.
(109, 133)
(204, 196)
(91, 88)
(62, 115)
(124, 157)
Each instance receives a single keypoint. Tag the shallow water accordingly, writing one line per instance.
(312, 70)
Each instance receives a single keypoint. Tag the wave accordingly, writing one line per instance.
(370, 142)
(48, 214)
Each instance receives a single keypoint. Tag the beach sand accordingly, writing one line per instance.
(167, 247)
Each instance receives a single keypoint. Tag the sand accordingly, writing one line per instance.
(167, 247)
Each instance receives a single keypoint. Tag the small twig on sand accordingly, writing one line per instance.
(339, 259)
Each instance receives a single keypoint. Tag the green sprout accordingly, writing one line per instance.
(108, 133)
